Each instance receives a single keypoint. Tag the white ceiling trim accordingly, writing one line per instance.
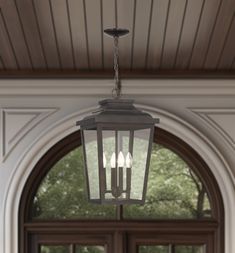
(79, 87)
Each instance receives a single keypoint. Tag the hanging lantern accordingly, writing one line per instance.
(117, 142)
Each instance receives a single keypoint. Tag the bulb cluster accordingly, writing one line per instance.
(121, 160)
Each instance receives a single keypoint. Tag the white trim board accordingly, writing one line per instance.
(80, 87)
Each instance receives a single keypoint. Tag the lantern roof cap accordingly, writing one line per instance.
(117, 111)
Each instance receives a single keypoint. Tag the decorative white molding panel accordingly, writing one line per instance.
(17, 122)
(222, 119)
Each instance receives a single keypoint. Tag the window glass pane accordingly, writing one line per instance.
(153, 249)
(189, 249)
(171, 249)
(90, 249)
(174, 191)
(54, 249)
(63, 194)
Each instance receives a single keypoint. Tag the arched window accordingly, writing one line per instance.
(183, 212)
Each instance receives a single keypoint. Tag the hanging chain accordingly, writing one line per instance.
(117, 89)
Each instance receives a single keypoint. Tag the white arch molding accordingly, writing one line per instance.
(59, 130)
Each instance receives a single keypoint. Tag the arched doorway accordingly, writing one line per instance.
(127, 230)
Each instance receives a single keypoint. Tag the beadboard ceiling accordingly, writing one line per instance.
(44, 38)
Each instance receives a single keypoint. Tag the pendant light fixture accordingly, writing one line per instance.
(117, 142)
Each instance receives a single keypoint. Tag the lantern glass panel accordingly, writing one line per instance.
(108, 150)
(140, 155)
(91, 156)
(123, 146)
(115, 151)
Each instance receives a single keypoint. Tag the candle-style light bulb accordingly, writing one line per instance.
(129, 160)
(121, 159)
(104, 160)
(113, 160)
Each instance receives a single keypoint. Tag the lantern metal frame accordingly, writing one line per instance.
(116, 115)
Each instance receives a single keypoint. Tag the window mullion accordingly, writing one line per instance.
(172, 246)
(119, 212)
(72, 248)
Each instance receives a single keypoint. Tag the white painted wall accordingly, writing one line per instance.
(35, 114)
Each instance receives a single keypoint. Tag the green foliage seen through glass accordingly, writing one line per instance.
(62, 193)
(54, 249)
(90, 249)
(174, 191)
(168, 248)
(66, 249)
(154, 249)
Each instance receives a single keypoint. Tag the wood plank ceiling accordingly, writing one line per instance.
(166, 36)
